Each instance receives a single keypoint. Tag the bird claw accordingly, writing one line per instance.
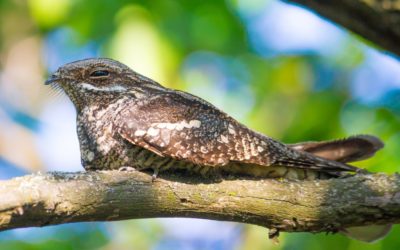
(273, 235)
(362, 171)
(154, 176)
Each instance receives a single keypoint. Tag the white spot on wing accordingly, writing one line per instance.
(221, 161)
(254, 151)
(246, 149)
(140, 132)
(152, 131)
(178, 125)
(224, 139)
(203, 150)
(165, 136)
(231, 129)
(170, 126)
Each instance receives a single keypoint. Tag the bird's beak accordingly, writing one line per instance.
(53, 78)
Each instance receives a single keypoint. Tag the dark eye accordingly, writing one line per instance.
(100, 73)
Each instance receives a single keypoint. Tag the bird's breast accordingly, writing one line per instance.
(96, 135)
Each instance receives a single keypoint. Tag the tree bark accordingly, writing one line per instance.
(292, 206)
(375, 20)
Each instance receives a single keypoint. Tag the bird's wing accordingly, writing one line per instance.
(185, 127)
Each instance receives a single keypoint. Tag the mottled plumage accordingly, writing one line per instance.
(127, 120)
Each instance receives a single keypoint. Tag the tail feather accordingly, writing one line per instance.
(309, 161)
(354, 148)
(331, 157)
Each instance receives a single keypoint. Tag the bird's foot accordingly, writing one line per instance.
(154, 176)
(362, 171)
(273, 235)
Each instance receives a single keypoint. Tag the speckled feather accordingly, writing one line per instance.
(125, 119)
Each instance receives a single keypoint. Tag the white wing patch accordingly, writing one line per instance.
(231, 129)
(140, 132)
(179, 125)
(153, 131)
(224, 139)
(162, 130)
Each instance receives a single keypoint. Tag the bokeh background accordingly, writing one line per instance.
(276, 67)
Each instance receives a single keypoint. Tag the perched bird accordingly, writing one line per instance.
(126, 120)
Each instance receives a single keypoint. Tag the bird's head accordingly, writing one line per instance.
(97, 78)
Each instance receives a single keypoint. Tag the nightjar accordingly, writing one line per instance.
(127, 120)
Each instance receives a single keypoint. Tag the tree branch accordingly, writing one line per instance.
(375, 20)
(312, 206)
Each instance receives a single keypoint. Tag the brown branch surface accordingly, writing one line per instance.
(375, 20)
(312, 206)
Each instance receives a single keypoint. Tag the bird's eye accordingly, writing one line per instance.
(100, 73)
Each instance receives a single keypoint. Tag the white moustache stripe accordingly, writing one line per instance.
(113, 88)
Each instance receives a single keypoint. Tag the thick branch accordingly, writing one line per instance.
(313, 206)
(376, 20)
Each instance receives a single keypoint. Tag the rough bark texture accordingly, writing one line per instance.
(375, 20)
(312, 206)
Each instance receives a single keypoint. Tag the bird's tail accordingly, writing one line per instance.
(309, 161)
(331, 156)
(354, 148)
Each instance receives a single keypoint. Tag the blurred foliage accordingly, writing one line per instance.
(219, 50)
(64, 237)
